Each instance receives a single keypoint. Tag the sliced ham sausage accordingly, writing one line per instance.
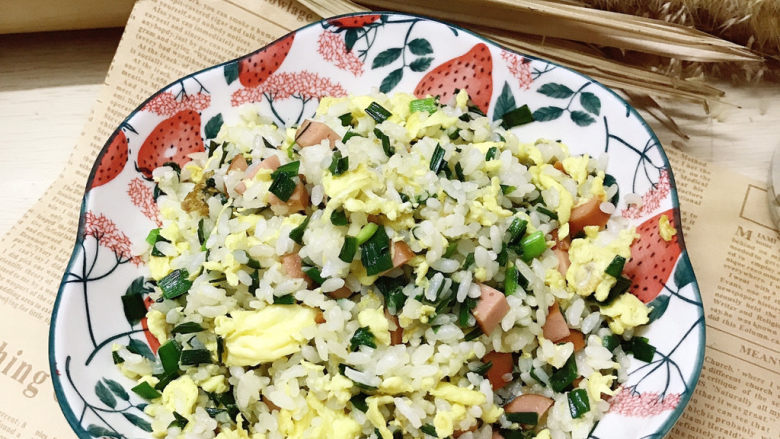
(576, 338)
(588, 214)
(555, 327)
(269, 163)
(401, 253)
(528, 403)
(238, 163)
(341, 293)
(502, 365)
(397, 334)
(313, 133)
(563, 260)
(491, 308)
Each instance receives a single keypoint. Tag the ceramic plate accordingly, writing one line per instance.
(359, 54)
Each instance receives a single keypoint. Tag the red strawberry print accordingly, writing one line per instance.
(112, 162)
(171, 141)
(472, 71)
(256, 68)
(354, 22)
(154, 344)
(652, 259)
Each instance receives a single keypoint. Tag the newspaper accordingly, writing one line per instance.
(732, 242)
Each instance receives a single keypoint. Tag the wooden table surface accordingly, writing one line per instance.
(49, 82)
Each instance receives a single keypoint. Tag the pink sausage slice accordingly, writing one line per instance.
(397, 334)
(555, 327)
(268, 163)
(502, 365)
(401, 253)
(588, 214)
(238, 162)
(313, 133)
(529, 403)
(292, 267)
(563, 260)
(491, 308)
(341, 293)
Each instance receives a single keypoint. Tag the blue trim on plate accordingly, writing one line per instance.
(694, 378)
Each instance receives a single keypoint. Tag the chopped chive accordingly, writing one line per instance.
(437, 159)
(213, 147)
(134, 307)
(459, 172)
(503, 255)
(169, 353)
(465, 310)
(375, 253)
(642, 350)
(348, 135)
(516, 117)
(451, 248)
(473, 334)
(165, 379)
(282, 186)
(610, 342)
(359, 402)
(151, 238)
(404, 197)
(578, 403)
(175, 283)
(296, 234)
(622, 285)
(378, 112)
(616, 266)
(366, 232)
(220, 349)
(545, 211)
(563, 377)
(427, 104)
(469, 261)
(146, 391)
(338, 164)
(533, 245)
(474, 109)
(362, 337)
(192, 357)
(253, 263)
(506, 189)
(349, 249)
(429, 429)
(202, 235)
(447, 173)
(510, 280)
(314, 275)
(491, 153)
(287, 299)
(389, 150)
(526, 418)
(516, 230)
(291, 169)
(482, 368)
(338, 218)
(268, 144)
(392, 289)
(186, 328)
(178, 421)
(346, 119)
(117, 358)
(291, 151)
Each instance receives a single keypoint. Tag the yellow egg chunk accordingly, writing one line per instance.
(589, 259)
(626, 312)
(577, 167)
(335, 423)
(155, 320)
(180, 395)
(376, 321)
(544, 434)
(458, 395)
(598, 384)
(665, 228)
(445, 420)
(541, 178)
(375, 416)
(492, 413)
(255, 337)
(159, 266)
(238, 432)
(394, 386)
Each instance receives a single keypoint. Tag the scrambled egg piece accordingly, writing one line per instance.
(458, 395)
(354, 190)
(665, 228)
(375, 416)
(180, 395)
(492, 413)
(576, 167)
(598, 384)
(226, 432)
(546, 181)
(554, 279)
(419, 122)
(589, 260)
(394, 386)
(254, 337)
(376, 321)
(335, 423)
(159, 266)
(445, 420)
(597, 186)
(157, 325)
(626, 312)
(426, 312)
(544, 434)
(487, 202)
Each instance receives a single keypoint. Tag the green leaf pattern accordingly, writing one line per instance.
(504, 103)
(587, 100)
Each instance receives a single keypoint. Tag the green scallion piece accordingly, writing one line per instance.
(117, 358)
(578, 403)
(314, 275)
(615, 268)
(563, 377)
(429, 429)
(186, 328)
(346, 119)
(151, 238)
(526, 418)
(516, 117)
(610, 342)
(510, 280)
(338, 164)
(296, 234)
(482, 369)
(169, 353)
(178, 421)
(375, 252)
(503, 255)
(516, 230)
(427, 104)
(202, 234)
(146, 391)
(469, 261)
(359, 402)
(491, 153)
(348, 135)
(465, 311)
(134, 307)
(348, 250)
(437, 159)
(165, 379)
(378, 112)
(533, 245)
(642, 350)
(175, 283)
(268, 144)
(192, 357)
(366, 232)
(506, 189)
(282, 186)
(362, 337)
(389, 150)
(459, 172)
(220, 349)
(473, 334)
(451, 248)
(291, 169)
(287, 299)
(474, 109)
(253, 263)
(338, 218)
(545, 211)
(621, 286)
